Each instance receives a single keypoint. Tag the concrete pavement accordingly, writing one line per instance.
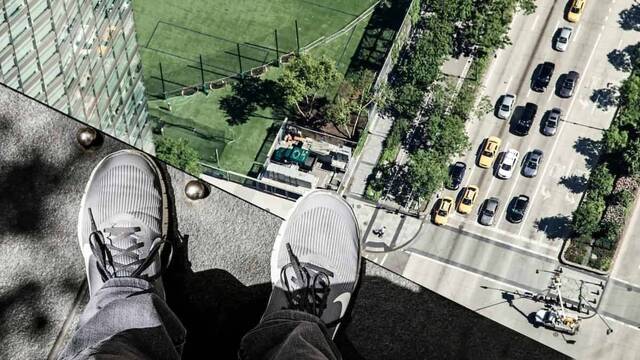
(464, 260)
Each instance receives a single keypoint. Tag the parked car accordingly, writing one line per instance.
(542, 76)
(523, 125)
(468, 199)
(441, 215)
(489, 152)
(532, 164)
(489, 210)
(518, 209)
(456, 174)
(576, 10)
(569, 84)
(551, 124)
(562, 41)
(508, 163)
(506, 106)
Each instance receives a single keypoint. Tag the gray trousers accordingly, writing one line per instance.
(126, 319)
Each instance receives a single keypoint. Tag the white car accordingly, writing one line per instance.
(508, 163)
(506, 106)
(562, 42)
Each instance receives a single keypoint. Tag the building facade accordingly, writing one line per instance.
(80, 57)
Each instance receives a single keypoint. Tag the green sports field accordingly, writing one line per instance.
(198, 119)
(177, 33)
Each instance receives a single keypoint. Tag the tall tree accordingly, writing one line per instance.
(427, 172)
(304, 80)
(586, 218)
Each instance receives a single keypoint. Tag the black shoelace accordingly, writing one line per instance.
(105, 252)
(306, 291)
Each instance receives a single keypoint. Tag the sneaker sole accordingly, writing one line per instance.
(163, 189)
(275, 252)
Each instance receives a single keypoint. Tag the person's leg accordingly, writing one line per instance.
(315, 265)
(122, 230)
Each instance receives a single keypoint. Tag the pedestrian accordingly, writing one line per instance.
(122, 229)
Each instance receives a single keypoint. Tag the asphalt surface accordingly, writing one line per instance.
(471, 259)
(218, 286)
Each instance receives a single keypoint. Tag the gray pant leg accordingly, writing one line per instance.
(126, 319)
(288, 334)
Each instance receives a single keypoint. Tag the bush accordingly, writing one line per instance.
(178, 153)
(601, 181)
(576, 250)
(392, 143)
(587, 216)
(608, 235)
(602, 260)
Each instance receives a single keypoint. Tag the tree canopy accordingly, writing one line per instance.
(178, 153)
(304, 79)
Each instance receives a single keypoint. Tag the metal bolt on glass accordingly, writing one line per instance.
(196, 190)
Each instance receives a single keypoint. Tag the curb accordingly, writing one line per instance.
(564, 261)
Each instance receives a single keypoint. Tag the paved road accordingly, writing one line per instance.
(457, 259)
(570, 154)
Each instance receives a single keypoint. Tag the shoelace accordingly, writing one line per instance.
(105, 252)
(307, 293)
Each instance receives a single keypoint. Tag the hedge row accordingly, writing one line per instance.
(599, 219)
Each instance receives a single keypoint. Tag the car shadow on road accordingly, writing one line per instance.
(518, 112)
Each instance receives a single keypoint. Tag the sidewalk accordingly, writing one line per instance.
(370, 153)
(399, 229)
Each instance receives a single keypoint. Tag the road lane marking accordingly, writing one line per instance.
(620, 322)
(466, 269)
(575, 37)
(468, 222)
(624, 282)
(508, 83)
(384, 258)
(562, 126)
(535, 22)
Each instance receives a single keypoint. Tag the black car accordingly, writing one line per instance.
(569, 84)
(518, 209)
(543, 76)
(523, 125)
(456, 175)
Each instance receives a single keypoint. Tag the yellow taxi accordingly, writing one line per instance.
(441, 214)
(489, 152)
(468, 199)
(576, 10)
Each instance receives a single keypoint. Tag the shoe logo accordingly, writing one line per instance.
(343, 299)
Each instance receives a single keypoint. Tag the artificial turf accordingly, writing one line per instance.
(176, 33)
(198, 119)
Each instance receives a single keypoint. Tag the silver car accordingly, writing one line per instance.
(506, 106)
(489, 211)
(553, 120)
(532, 164)
(562, 42)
